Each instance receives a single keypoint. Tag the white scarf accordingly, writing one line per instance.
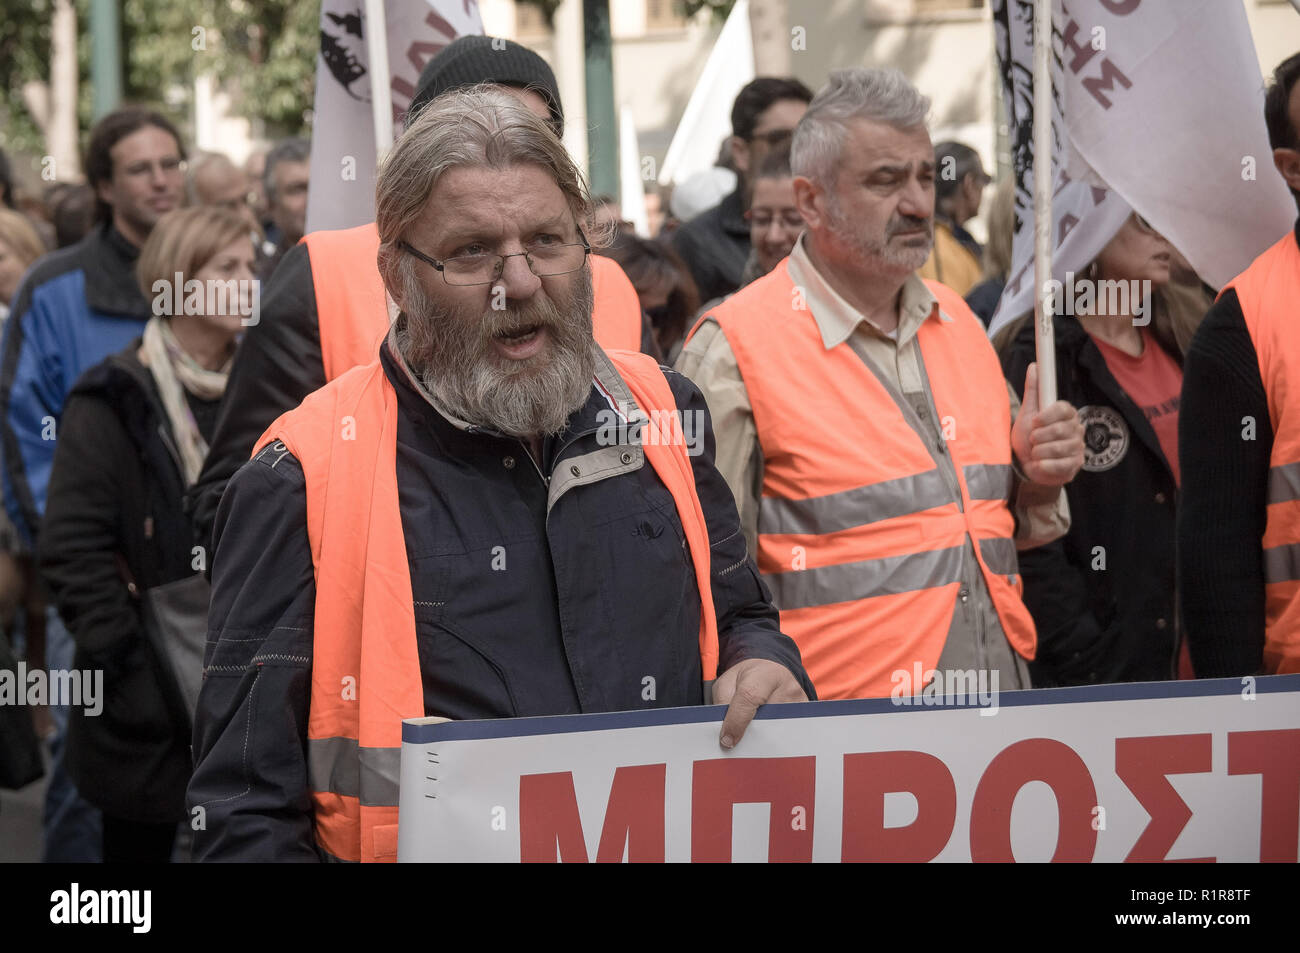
(176, 372)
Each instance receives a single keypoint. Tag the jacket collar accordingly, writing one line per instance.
(108, 263)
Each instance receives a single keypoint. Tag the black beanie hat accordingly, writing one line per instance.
(469, 60)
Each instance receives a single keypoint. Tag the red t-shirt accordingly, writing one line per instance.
(1154, 381)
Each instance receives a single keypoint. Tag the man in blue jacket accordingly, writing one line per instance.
(75, 307)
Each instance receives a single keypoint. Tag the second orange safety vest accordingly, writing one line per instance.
(1269, 293)
(365, 667)
(353, 308)
(861, 537)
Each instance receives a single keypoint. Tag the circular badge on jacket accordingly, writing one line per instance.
(1105, 437)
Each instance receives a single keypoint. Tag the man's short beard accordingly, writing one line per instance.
(883, 254)
(453, 354)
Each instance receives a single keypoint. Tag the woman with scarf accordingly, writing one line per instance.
(132, 438)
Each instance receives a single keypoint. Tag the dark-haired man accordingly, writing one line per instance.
(959, 185)
(1239, 448)
(77, 306)
(715, 244)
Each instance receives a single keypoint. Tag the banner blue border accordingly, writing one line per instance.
(564, 724)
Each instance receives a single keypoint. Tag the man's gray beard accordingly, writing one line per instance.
(453, 355)
(882, 255)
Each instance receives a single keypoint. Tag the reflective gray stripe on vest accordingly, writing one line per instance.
(989, 481)
(1282, 563)
(847, 582)
(341, 766)
(855, 507)
(1284, 483)
(999, 555)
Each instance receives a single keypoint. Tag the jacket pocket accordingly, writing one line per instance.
(461, 679)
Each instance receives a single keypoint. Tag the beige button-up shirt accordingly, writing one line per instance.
(1041, 512)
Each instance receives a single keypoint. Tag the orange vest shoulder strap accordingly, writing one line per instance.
(616, 312)
(351, 305)
(345, 437)
(1275, 270)
(666, 452)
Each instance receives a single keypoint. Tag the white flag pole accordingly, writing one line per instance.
(381, 93)
(1044, 339)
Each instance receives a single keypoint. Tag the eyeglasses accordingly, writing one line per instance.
(545, 260)
(773, 137)
(762, 219)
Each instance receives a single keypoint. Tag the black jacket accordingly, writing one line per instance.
(278, 364)
(1117, 623)
(715, 246)
(115, 498)
(544, 590)
(1225, 439)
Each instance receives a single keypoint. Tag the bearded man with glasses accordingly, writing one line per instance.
(455, 529)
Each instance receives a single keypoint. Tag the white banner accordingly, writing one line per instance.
(1175, 770)
(1164, 104)
(706, 121)
(342, 191)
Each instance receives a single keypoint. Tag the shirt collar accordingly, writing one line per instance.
(837, 319)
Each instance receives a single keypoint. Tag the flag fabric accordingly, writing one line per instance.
(707, 118)
(343, 162)
(1158, 108)
(631, 189)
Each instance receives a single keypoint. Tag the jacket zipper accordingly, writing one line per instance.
(529, 454)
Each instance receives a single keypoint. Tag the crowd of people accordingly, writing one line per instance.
(390, 488)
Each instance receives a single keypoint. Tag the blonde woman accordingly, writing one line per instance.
(1103, 595)
(20, 245)
(132, 439)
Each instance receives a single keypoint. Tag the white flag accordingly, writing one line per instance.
(706, 120)
(1161, 103)
(342, 190)
(631, 190)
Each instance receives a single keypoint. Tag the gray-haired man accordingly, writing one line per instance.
(865, 427)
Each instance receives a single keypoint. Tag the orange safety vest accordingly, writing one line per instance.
(1269, 291)
(860, 538)
(366, 668)
(353, 308)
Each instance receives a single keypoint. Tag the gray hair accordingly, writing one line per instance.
(286, 150)
(879, 95)
(198, 165)
(479, 126)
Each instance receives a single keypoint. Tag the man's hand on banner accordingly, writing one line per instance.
(745, 686)
(1048, 444)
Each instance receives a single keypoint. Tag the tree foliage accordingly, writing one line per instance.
(262, 52)
(718, 8)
